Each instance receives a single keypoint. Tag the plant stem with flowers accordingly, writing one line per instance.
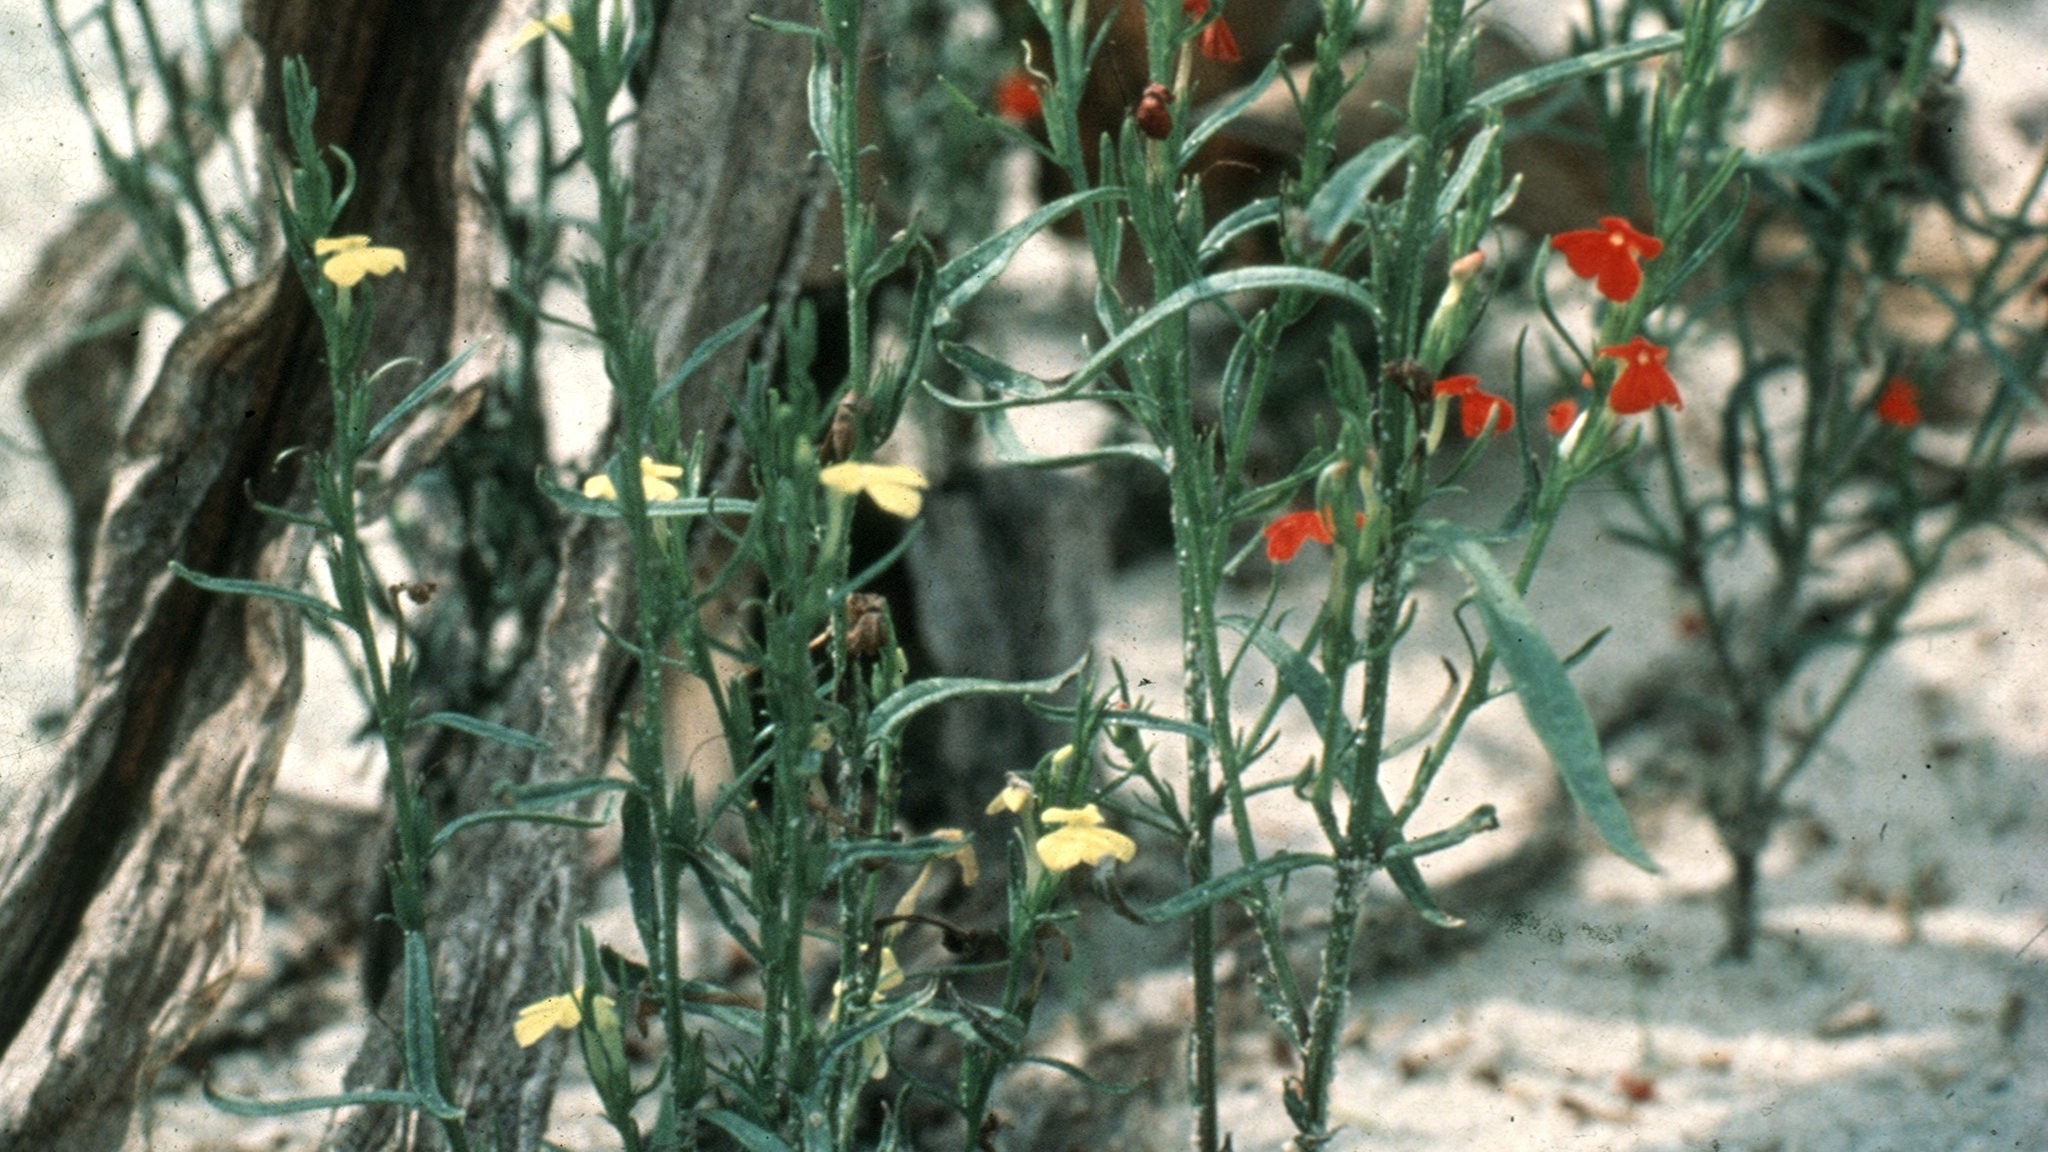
(1344, 244)
(1842, 477)
(335, 270)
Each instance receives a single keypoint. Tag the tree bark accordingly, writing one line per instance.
(123, 891)
(723, 162)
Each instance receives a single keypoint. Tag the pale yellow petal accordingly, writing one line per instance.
(899, 500)
(897, 489)
(600, 487)
(1080, 844)
(649, 466)
(655, 488)
(1088, 816)
(329, 245)
(538, 1019)
(846, 479)
(347, 268)
(970, 864)
(1014, 796)
(535, 29)
(604, 1013)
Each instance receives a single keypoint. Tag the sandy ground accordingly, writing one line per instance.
(1899, 1001)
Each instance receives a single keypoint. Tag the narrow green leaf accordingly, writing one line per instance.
(636, 861)
(1337, 203)
(1523, 85)
(751, 1136)
(422, 1032)
(1298, 674)
(703, 352)
(888, 718)
(995, 424)
(846, 854)
(548, 792)
(1408, 878)
(1548, 699)
(1090, 1082)
(256, 1109)
(1468, 170)
(1257, 214)
(887, 1015)
(500, 816)
(484, 730)
(1482, 819)
(962, 278)
(232, 587)
(1259, 278)
(420, 394)
(1230, 884)
(1230, 110)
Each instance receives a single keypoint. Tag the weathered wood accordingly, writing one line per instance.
(123, 894)
(723, 162)
(500, 912)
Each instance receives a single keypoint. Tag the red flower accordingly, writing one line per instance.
(1899, 404)
(1643, 383)
(1474, 406)
(1285, 536)
(1217, 42)
(1016, 98)
(1608, 256)
(1560, 416)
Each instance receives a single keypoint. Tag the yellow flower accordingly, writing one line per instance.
(1082, 840)
(654, 482)
(538, 1019)
(970, 865)
(350, 258)
(897, 489)
(889, 976)
(535, 29)
(1014, 796)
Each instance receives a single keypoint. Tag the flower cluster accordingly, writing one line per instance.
(1081, 836)
(1611, 256)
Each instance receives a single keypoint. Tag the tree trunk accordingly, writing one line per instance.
(123, 891)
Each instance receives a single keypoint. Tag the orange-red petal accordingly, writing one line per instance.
(1476, 407)
(1609, 256)
(1456, 385)
(1899, 404)
(1218, 43)
(1285, 536)
(1644, 383)
(1558, 418)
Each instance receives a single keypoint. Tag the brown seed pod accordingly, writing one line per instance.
(867, 624)
(1154, 118)
(840, 436)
